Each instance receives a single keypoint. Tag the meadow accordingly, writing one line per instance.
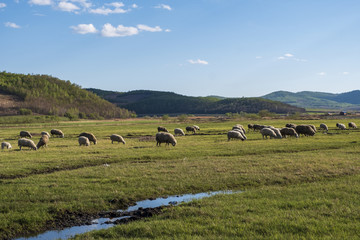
(305, 188)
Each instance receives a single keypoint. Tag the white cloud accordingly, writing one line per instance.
(116, 4)
(289, 56)
(12, 25)
(164, 6)
(322, 73)
(259, 57)
(67, 6)
(134, 6)
(109, 30)
(83, 3)
(2, 5)
(345, 73)
(167, 30)
(143, 27)
(40, 2)
(198, 61)
(106, 11)
(84, 28)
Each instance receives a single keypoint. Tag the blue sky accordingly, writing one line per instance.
(231, 48)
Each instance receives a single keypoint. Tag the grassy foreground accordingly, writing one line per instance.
(293, 188)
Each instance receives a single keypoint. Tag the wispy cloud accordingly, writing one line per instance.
(345, 73)
(259, 57)
(84, 29)
(134, 6)
(2, 5)
(289, 56)
(12, 25)
(110, 8)
(164, 6)
(143, 27)
(67, 6)
(40, 2)
(321, 73)
(109, 30)
(198, 61)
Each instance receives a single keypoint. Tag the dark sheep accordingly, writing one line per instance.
(90, 136)
(162, 129)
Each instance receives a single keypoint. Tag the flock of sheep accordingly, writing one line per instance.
(163, 135)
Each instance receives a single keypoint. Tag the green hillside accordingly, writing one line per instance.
(45, 94)
(157, 102)
(307, 99)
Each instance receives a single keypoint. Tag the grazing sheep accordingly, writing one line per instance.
(240, 131)
(162, 129)
(162, 137)
(235, 134)
(238, 126)
(24, 134)
(90, 136)
(117, 138)
(190, 129)
(291, 125)
(341, 126)
(305, 130)
(251, 126)
(324, 127)
(24, 142)
(84, 141)
(5, 145)
(287, 131)
(179, 131)
(276, 131)
(257, 127)
(268, 132)
(196, 127)
(45, 133)
(352, 125)
(313, 127)
(43, 141)
(57, 132)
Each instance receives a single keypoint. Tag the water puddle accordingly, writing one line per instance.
(105, 223)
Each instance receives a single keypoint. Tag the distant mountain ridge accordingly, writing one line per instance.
(158, 102)
(308, 99)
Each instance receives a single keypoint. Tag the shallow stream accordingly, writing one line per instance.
(105, 223)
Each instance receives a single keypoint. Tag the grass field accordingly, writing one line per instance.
(293, 188)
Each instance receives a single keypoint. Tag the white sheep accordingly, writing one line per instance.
(24, 142)
(352, 125)
(196, 127)
(241, 131)
(45, 133)
(324, 127)
(341, 126)
(276, 131)
(179, 131)
(268, 132)
(84, 141)
(235, 134)
(117, 138)
(5, 145)
(164, 137)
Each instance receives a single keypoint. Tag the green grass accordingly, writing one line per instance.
(285, 181)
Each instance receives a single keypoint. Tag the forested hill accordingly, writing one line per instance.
(157, 102)
(307, 99)
(45, 94)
